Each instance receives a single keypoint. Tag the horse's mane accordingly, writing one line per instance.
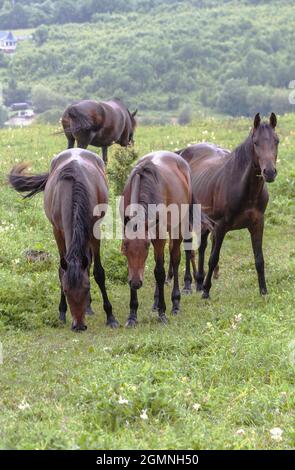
(150, 182)
(80, 221)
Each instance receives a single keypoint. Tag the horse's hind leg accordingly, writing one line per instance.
(63, 302)
(170, 270)
(89, 310)
(99, 276)
(187, 276)
(256, 232)
(62, 249)
(175, 257)
(201, 259)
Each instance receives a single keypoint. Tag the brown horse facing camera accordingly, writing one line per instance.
(75, 184)
(158, 178)
(231, 187)
(99, 123)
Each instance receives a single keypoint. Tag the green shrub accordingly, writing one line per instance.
(120, 167)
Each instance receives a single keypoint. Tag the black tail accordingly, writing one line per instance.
(78, 120)
(206, 222)
(33, 184)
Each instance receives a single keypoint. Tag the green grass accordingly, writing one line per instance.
(60, 390)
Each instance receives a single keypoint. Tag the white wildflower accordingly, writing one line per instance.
(144, 415)
(276, 434)
(240, 432)
(197, 406)
(24, 405)
(123, 401)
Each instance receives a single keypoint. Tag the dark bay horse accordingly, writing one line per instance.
(99, 123)
(75, 184)
(231, 187)
(160, 178)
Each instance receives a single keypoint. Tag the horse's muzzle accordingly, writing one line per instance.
(269, 175)
(135, 284)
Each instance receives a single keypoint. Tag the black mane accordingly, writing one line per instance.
(150, 182)
(81, 228)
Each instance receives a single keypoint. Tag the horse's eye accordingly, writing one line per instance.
(256, 144)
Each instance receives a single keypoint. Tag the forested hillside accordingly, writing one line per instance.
(166, 57)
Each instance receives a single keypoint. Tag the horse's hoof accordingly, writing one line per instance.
(263, 291)
(113, 324)
(175, 311)
(155, 308)
(205, 295)
(89, 312)
(163, 319)
(62, 317)
(187, 291)
(131, 323)
(199, 287)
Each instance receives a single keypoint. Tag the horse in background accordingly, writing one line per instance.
(75, 184)
(100, 124)
(231, 187)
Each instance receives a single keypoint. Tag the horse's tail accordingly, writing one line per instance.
(206, 222)
(21, 182)
(78, 120)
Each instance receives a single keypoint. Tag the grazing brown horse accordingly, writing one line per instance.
(231, 187)
(99, 123)
(75, 184)
(158, 178)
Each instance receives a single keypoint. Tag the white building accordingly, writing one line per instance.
(7, 42)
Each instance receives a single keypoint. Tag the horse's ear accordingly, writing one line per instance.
(63, 264)
(273, 120)
(135, 112)
(84, 262)
(257, 121)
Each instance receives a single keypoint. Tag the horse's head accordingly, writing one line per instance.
(266, 142)
(76, 286)
(133, 127)
(136, 249)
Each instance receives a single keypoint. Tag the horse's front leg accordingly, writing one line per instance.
(256, 232)
(159, 273)
(201, 260)
(175, 257)
(99, 276)
(132, 319)
(213, 261)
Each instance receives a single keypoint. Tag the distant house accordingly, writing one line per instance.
(7, 42)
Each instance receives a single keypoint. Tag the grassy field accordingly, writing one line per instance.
(220, 375)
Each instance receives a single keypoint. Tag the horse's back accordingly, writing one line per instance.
(174, 172)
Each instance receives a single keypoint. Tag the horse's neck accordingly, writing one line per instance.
(245, 172)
